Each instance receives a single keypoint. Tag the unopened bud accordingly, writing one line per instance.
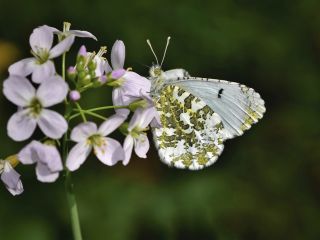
(72, 72)
(74, 95)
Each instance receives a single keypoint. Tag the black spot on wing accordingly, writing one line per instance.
(220, 92)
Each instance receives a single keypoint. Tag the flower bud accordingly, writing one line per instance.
(74, 95)
(82, 51)
(72, 72)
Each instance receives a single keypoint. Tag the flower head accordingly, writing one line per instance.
(128, 84)
(46, 157)
(41, 65)
(137, 136)
(32, 105)
(10, 177)
(88, 136)
(76, 33)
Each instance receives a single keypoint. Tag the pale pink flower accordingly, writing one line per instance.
(88, 136)
(33, 105)
(46, 157)
(41, 65)
(137, 136)
(130, 83)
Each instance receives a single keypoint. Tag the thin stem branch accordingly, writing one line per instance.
(81, 111)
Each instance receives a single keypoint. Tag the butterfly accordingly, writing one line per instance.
(198, 114)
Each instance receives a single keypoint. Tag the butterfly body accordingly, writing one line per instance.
(198, 115)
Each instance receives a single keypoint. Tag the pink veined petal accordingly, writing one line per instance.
(134, 84)
(78, 155)
(110, 152)
(107, 67)
(23, 67)
(43, 71)
(41, 38)
(141, 118)
(49, 156)
(52, 124)
(62, 47)
(117, 99)
(127, 147)
(18, 90)
(84, 130)
(111, 124)
(101, 65)
(44, 174)
(142, 146)
(21, 125)
(52, 91)
(11, 179)
(27, 155)
(83, 34)
(118, 54)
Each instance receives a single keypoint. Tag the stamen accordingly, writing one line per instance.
(66, 26)
(102, 51)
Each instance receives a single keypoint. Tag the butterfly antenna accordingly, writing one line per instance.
(154, 54)
(165, 50)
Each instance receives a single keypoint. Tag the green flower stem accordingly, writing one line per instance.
(81, 111)
(105, 108)
(73, 207)
(71, 199)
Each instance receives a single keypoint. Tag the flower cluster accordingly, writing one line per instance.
(35, 85)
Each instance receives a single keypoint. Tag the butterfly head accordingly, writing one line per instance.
(155, 71)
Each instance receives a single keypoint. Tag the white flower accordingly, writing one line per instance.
(10, 178)
(137, 136)
(41, 65)
(77, 33)
(130, 84)
(32, 105)
(88, 137)
(46, 157)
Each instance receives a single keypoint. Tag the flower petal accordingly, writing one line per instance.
(43, 71)
(52, 124)
(27, 154)
(134, 84)
(84, 130)
(62, 47)
(52, 91)
(21, 125)
(83, 34)
(118, 100)
(23, 67)
(78, 155)
(141, 118)
(11, 179)
(44, 174)
(110, 152)
(127, 147)
(118, 54)
(142, 146)
(41, 38)
(18, 90)
(111, 124)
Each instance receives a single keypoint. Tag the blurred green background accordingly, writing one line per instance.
(265, 185)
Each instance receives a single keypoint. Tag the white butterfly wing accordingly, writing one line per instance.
(238, 106)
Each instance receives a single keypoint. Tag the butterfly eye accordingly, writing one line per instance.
(157, 71)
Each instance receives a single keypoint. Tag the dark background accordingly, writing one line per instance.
(266, 183)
